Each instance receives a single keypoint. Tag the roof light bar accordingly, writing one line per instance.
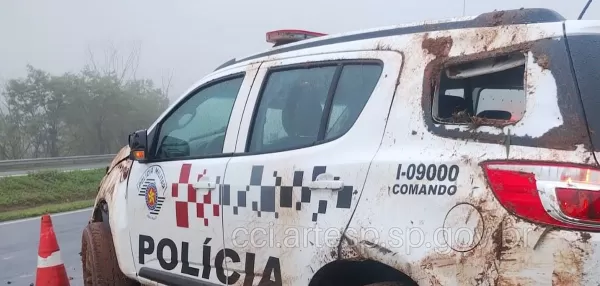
(282, 37)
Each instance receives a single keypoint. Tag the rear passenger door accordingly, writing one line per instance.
(309, 131)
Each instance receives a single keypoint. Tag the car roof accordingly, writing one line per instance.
(490, 19)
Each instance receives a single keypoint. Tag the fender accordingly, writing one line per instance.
(117, 172)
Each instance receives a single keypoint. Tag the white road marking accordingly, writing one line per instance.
(67, 170)
(37, 218)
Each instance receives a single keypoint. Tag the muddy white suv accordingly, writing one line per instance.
(458, 152)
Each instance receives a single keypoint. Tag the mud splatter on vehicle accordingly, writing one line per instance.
(439, 47)
(117, 172)
(442, 153)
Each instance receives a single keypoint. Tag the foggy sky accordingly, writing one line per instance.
(191, 38)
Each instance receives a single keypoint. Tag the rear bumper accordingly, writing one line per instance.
(532, 255)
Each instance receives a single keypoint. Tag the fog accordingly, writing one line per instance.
(74, 74)
(189, 39)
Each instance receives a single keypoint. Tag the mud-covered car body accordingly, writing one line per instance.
(418, 186)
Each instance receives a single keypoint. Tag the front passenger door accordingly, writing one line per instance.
(174, 199)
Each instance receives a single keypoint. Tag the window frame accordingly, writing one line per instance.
(157, 128)
(327, 108)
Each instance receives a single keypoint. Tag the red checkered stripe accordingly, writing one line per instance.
(186, 199)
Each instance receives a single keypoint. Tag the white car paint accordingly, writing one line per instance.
(312, 252)
(459, 231)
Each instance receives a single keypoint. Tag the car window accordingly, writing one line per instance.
(510, 100)
(353, 90)
(292, 104)
(482, 92)
(290, 108)
(198, 126)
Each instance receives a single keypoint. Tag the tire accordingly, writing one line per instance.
(98, 258)
(388, 284)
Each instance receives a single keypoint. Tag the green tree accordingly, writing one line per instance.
(84, 113)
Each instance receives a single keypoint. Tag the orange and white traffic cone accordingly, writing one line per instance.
(50, 268)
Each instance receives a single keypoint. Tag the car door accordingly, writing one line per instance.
(173, 200)
(308, 135)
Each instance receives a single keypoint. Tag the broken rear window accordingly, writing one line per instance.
(487, 92)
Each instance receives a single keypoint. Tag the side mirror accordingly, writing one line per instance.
(138, 143)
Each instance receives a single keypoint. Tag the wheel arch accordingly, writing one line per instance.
(100, 212)
(116, 172)
(358, 273)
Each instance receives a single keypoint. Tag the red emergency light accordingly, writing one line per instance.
(282, 37)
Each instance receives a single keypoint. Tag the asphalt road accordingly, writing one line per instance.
(19, 242)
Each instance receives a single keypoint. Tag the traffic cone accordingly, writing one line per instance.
(50, 268)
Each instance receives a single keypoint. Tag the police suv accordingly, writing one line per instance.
(458, 152)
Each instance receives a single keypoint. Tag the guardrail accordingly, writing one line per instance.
(74, 162)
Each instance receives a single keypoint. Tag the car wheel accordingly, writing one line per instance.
(98, 258)
(393, 283)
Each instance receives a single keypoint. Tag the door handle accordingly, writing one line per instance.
(326, 185)
(204, 185)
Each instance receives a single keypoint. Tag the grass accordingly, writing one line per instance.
(45, 209)
(47, 192)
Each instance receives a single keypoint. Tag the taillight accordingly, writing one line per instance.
(561, 195)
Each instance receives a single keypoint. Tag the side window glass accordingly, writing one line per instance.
(511, 101)
(197, 127)
(353, 90)
(484, 92)
(292, 106)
